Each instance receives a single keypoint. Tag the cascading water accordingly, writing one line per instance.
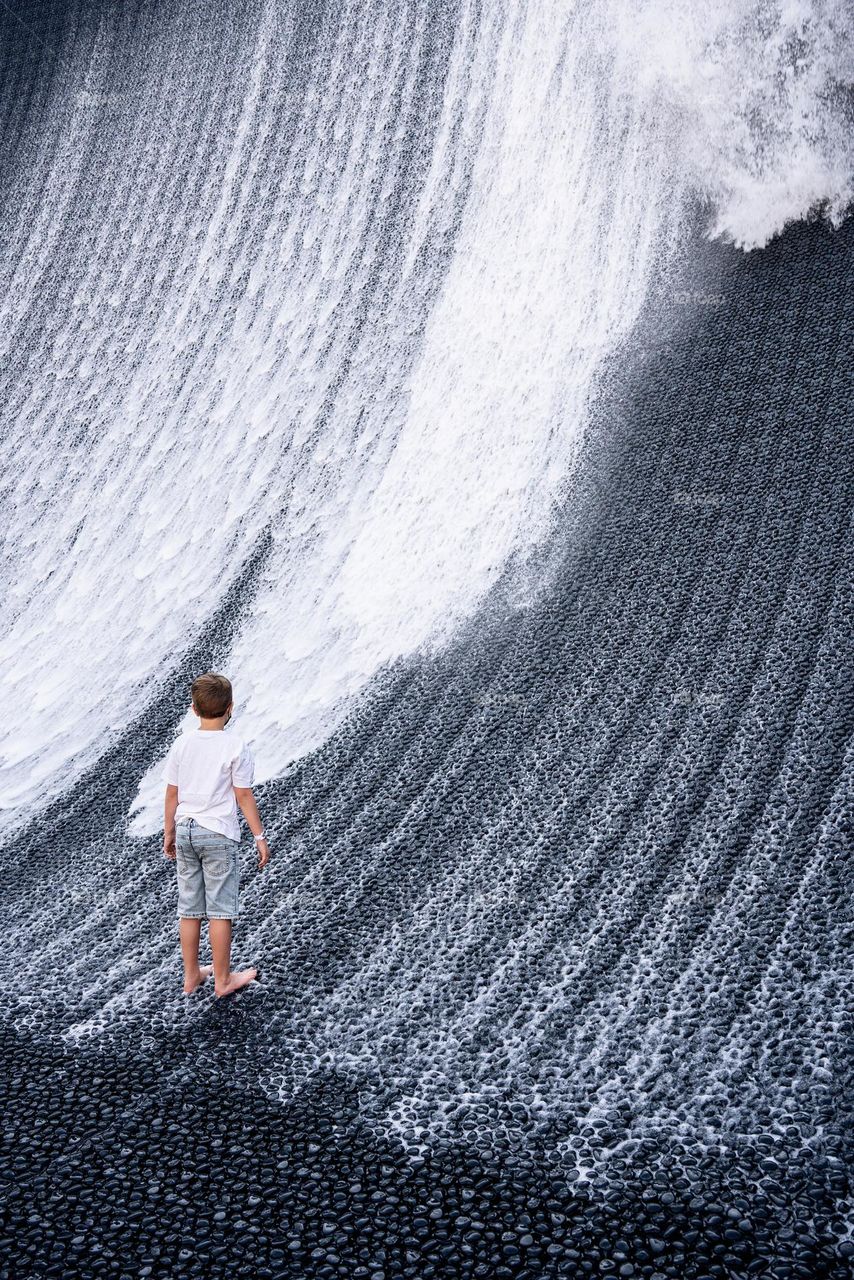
(452, 376)
(352, 284)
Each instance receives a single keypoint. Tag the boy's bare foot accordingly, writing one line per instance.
(193, 984)
(236, 981)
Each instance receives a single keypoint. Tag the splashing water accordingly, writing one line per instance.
(352, 285)
(355, 290)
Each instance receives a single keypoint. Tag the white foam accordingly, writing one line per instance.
(235, 344)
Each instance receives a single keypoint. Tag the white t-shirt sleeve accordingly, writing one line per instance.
(170, 765)
(243, 768)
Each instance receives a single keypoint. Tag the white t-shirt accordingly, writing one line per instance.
(206, 765)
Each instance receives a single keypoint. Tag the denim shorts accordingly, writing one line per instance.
(208, 872)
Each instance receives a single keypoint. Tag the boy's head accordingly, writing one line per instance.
(212, 695)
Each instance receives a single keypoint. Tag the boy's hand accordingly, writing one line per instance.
(263, 853)
(169, 845)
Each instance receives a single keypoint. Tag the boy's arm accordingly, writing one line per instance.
(169, 807)
(246, 800)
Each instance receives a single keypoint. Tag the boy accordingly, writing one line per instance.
(207, 774)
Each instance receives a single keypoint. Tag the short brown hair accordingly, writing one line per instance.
(211, 695)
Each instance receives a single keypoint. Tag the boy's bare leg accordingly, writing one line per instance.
(224, 980)
(189, 931)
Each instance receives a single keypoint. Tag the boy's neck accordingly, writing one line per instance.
(219, 723)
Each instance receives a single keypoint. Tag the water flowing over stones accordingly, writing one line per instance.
(447, 376)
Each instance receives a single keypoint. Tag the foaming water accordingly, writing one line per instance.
(353, 283)
(577, 882)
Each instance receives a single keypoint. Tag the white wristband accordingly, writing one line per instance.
(260, 836)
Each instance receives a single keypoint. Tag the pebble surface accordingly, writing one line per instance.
(635, 1061)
